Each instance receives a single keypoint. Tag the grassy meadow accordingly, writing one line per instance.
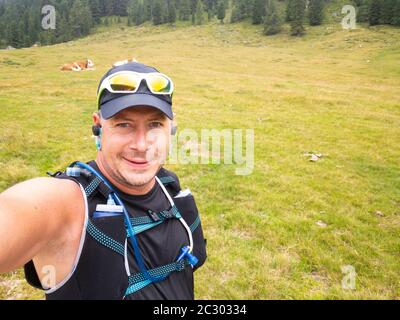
(286, 230)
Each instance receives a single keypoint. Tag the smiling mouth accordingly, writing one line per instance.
(137, 162)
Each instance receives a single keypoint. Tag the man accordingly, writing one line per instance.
(118, 227)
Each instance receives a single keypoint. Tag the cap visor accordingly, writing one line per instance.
(112, 107)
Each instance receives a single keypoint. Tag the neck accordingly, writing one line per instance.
(132, 190)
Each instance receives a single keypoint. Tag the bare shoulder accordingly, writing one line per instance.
(45, 189)
(37, 215)
(45, 196)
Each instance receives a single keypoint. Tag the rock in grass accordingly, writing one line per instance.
(321, 224)
(314, 157)
(379, 213)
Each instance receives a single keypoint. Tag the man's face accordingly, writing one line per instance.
(134, 145)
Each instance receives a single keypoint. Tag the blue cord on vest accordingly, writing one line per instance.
(134, 243)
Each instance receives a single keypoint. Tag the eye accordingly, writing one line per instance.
(123, 125)
(155, 124)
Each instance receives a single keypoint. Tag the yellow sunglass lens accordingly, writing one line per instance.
(159, 84)
(124, 82)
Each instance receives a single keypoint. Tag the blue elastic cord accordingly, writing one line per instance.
(134, 243)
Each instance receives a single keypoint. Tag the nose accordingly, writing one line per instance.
(139, 142)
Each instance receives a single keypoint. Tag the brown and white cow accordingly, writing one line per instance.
(78, 66)
(86, 65)
(71, 67)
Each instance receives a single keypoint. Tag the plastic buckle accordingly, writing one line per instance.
(192, 259)
(154, 216)
(181, 266)
(186, 254)
(73, 171)
(168, 214)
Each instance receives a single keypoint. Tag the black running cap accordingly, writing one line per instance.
(112, 103)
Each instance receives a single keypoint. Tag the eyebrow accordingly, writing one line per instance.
(157, 116)
(119, 118)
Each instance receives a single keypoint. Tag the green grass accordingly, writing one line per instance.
(332, 91)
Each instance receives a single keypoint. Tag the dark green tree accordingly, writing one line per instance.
(240, 10)
(11, 32)
(272, 21)
(184, 10)
(95, 9)
(141, 14)
(63, 31)
(396, 14)
(23, 38)
(148, 8)
(107, 7)
(297, 16)
(120, 7)
(315, 12)
(221, 11)
(374, 12)
(258, 11)
(164, 10)
(171, 13)
(193, 7)
(210, 8)
(132, 10)
(362, 12)
(157, 13)
(289, 10)
(33, 25)
(47, 37)
(199, 12)
(387, 9)
(80, 18)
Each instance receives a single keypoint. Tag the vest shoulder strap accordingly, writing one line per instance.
(170, 180)
(91, 184)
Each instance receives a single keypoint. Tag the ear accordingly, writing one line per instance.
(97, 118)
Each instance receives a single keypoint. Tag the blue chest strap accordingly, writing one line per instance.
(144, 223)
(140, 224)
(138, 281)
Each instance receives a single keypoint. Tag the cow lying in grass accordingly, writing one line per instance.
(78, 66)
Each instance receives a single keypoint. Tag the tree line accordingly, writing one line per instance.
(299, 12)
(21, 20)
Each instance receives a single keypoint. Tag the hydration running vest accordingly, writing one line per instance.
(103, 270)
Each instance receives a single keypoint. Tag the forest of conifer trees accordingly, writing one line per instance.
(20, 20)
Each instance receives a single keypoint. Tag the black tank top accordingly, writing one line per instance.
(101, 273)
